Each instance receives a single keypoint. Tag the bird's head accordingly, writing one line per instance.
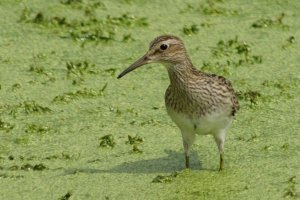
(166, 49)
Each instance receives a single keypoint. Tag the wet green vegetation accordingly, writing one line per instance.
(291, 188)
(267, 22)
(165, 178)
(189, 30)
(70, 130)
(209, 7)
(107, 141)
(66, 196)
(135, 142)
(87, 28)
(25, 107)
(5, 126)
(81, 93)
(231, 53)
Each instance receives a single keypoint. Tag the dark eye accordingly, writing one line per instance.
(163, 47)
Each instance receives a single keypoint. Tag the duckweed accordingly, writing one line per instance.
(267, 22)
(107, 141)
(83, 93)
(165, 178)
(189, 30)
(5, 126)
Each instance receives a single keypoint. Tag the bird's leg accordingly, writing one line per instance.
(220, 139)
(187, 154)
(188, 140)
(221, 161)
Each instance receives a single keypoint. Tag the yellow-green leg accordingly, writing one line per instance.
(220, 139)
(221, 161)
(188, 140)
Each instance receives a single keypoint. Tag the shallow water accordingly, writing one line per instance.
(59, 96)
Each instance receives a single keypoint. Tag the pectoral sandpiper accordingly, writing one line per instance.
(199, 103)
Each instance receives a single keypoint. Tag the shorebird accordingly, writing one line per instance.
(199, 103)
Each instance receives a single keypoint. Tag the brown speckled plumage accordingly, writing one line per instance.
(198, 102)
(198, 93)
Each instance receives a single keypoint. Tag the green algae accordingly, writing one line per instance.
(165, 178)
(59, 95)
(189, 30)
(37, 167)
(25, 107)
(6, 126)
(135, 143)
(82, 93)
(290, 190)
(107, 141)
(89, 28)
(68, 194)
(267, 22)
(80, 68)
(38, 129)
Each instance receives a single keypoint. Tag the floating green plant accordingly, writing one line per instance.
(111, 71)
(290, 190)
(267, 22)
(89, 27)
(26, 107)
(128, 38)
(66, 196)
(37, 167)
(80, 68)
(29, 16)
(83, 93)
(14, 167)
(127, 20)
(93, 34)
(38, 129)
(135, 142)
(37, 69)
(217, 67)
(189, 30)
(107, 141)
(25, 15)
(5, 126)
(234, 47)
(251, 96)
(289, 42)
(136, 149)
(63, 156)
(11, 157)
(68, 2)
(231, 53)
(16, 86)
(165, 178)
(209, 7)
(282, 88)
(23, 140)
(105, 30)
(33, 107)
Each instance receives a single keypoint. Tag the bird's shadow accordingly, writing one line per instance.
(174, 161)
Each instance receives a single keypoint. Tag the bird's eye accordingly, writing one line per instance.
(163, 47)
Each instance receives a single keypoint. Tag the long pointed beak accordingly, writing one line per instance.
(140, 62)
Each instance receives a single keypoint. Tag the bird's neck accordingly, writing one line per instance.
(180, 73)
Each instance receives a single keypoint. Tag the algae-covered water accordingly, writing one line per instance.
(70, 130)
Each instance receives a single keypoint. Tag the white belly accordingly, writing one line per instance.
(209, 124)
